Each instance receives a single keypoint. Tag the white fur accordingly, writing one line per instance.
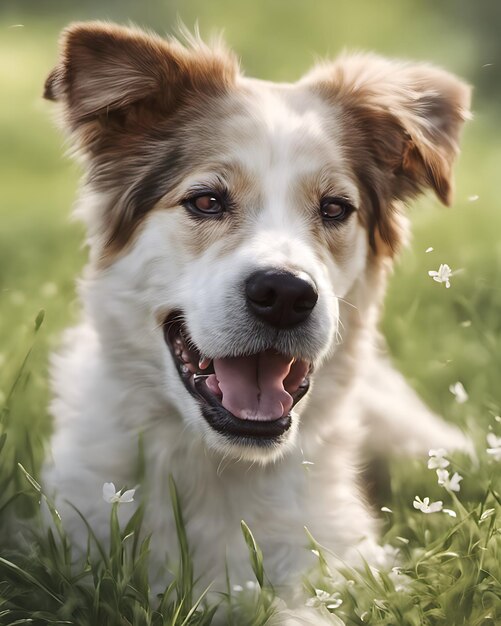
(115, 381)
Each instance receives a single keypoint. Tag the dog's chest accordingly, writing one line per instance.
(215, 500)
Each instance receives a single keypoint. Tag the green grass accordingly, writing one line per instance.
(450, 567)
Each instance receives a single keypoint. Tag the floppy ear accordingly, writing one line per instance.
(401, 124)
(104, 71)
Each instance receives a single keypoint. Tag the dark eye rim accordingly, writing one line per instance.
(344, 203)
(220, 197)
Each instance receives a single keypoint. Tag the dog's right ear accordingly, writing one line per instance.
(106, 71)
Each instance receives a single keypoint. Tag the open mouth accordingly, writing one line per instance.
(248, 397)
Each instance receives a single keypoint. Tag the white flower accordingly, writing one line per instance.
(443, 476)
(425, 506)
(111, 495)
(473, 198)
(430, 249)
(385, 509)
(494, 448)
(452, 484)
(323, 597)
(251, 584)
(449, 512)
(442, 275)
(237, 588)
(459, 392)
(335, 604)
(437, 459)
(307, 463)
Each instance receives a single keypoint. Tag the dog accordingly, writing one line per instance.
(241, 233)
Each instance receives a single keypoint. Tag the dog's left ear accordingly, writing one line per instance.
(401, 124)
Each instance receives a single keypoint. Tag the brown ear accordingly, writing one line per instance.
(402, 123)
(105, 68)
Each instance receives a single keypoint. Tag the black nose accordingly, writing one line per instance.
(280, 298)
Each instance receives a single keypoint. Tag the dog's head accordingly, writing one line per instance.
(242, 210)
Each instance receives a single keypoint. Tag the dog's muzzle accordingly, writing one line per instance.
(249, 397)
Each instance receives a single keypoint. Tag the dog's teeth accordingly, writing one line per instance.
(204, 362)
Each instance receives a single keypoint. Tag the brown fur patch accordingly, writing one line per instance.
(401, 130)
(127, 96)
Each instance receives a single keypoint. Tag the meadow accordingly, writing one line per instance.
(447, 568)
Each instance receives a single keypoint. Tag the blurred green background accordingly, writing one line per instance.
(437, 336)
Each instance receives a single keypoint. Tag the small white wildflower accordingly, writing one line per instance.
(385, 509)
(251, 584)
(437, 459)
(323, 597)
(237, 588)
(315, 552)
(495, 453)
(442, 476)
(494, 448)
(452, 484)
(496, 417)
(307, 463)
(466, 324)
(459, 392)
(442, 275)
(111, 495)
(473, 198)
(430, 249)
(449, 512)
(493, 441)
(486, 514)
(426, 507)
(335, 604)
(403, 540)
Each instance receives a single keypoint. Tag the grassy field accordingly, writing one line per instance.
(450, 566)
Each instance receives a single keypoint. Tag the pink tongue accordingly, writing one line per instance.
(253, 386)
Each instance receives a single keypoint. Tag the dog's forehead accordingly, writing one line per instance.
(267, 128)
(282, 120)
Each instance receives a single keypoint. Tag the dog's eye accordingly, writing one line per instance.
(335, 209)
(205, 204)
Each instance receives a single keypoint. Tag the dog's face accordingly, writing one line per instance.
(247, 209)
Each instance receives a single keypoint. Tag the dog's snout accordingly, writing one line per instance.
(280, 298)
